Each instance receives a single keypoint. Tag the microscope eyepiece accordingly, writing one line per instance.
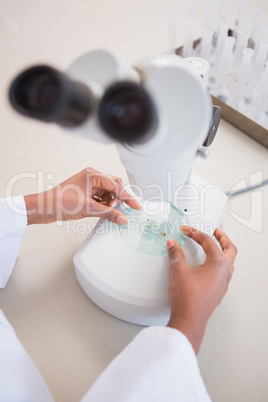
(43, 93)
(127, 113)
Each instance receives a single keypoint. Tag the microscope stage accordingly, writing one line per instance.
(131, 284)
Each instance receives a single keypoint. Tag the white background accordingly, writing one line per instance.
(69, 338)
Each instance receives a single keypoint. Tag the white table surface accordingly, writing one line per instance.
(69, 338)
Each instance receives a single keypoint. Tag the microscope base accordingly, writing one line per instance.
(133, 286)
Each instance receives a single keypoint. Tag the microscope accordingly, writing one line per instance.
(161, 117)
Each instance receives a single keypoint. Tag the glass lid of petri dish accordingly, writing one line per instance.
(149, 229)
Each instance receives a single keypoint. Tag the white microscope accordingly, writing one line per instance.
(161, 117)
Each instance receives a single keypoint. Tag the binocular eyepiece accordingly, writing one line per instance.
(46, 94)
(126, 112)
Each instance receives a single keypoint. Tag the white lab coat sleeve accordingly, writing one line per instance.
(13, 222)
(20, 381)
(159, 365)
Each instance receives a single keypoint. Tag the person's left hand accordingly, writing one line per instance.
(194, 293)
(88, 193)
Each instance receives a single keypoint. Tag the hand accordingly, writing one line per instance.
(194, 293)
(88, 193)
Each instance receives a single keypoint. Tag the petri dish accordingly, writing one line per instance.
(149, 229)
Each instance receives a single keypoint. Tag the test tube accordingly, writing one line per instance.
(187, 50)
(173, 17)
(241, 44)
(261, 98)
(206, 44)
(259, 62)
(262, 36)
(240, 11)
(225, 67)
(255, 27)
(223, 32)
(192, 11)
(209, 15)
(243, 27)
(263, 32)
(244, 73)
(225, 13)
(244, 23)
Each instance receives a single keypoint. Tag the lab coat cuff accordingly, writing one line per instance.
(13, 225)
(176, 338)
(16, 208)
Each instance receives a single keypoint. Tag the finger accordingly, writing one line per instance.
(128, 199)
(175, 253)
(116, 188)
(228, 248)
(108, 213)
(205, 241)
(114, 202)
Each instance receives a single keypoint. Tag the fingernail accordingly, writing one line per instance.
(185, 229)
(115, 204)
(122, 220)
(170, 243)
(137, 204)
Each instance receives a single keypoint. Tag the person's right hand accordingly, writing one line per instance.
(194, 293)
(87, 193)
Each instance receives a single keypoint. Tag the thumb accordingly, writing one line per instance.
(175, 253)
